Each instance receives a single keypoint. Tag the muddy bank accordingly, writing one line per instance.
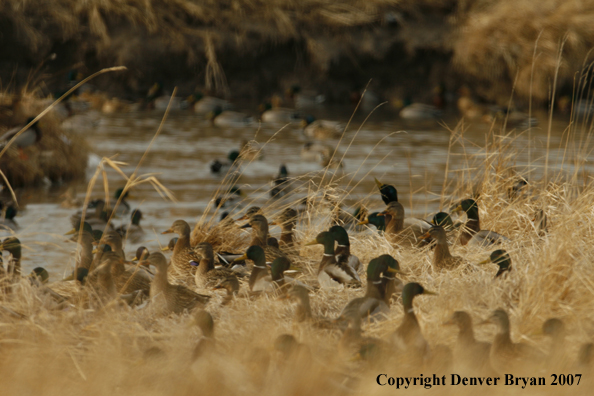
(251, 49)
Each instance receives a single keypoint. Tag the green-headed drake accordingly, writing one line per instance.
(502, 259)
(408, 337)
(260, 278)
(376, 220)
(472, 233)
(7, 220)
(330, 272)
(387, 191)
(343, 249)
(12, 245)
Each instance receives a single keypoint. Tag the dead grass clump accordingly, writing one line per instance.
(59, 156)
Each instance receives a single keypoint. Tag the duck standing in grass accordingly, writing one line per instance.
(167, 298)
(471, 355)
(343, 249)
(260, 279)
(287, 220)
(399, 229)
(373, 302)
(183, 253)
(13, 246)
(442, 259)
(330, 272)
(502, 259)
(259, 226)
(507, 356)
(206, 273)
(472, 233)
(408, 337)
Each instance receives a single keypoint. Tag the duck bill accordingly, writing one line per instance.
(248, 225)
(430, 293)
(381, 214)
(95, 251)
(425, 236)
(311, 243)
(241, 218)
(69, 278)
(242, 258)
(378, 183)
(458, 209)
(487, 261)
(71, 232)
(273, 223)
(363, 222)
(394, 270)
(135, 258)
(165, 248)
(169, 231)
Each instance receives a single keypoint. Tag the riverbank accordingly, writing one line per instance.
(249, 50)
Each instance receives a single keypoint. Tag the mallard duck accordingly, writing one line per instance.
(322, 129)
(7, 221)
(171, 245)
(13, 246)
(280, 116)
(470, 354)
(133, 232)
(390, 285)
(250, 212)
(442, 259)
(419, 112)
(39, 276)
(142, 253)
(124, 207)
(229, 119)
(287, 220)
(259, 226)
(373, 302)
(231, 163)
(400, 229)
(343, 249)
(472, 233)
(387, 191)
(100, 280)
(260, 279)
(84, 259)
(183, 253)
(555, 329)
(132, 279)
(114, 241)
(206, 274)
(330, 272)
(443, 220)
(502, 259)
(167, 298)
(408, 337)
(208, 104)
(97, 219)
(231, 285)
(507, 356)
(206, 344)
(280, 184)
(28, 138)
(376, 220)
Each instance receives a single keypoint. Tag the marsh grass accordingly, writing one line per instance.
(105, 350)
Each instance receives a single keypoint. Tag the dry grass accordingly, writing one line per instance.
(104, 351)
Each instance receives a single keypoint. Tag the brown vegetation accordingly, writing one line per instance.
(262, 45)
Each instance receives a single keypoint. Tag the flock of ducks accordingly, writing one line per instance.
(186, 282)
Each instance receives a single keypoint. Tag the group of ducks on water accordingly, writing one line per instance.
(107, 277)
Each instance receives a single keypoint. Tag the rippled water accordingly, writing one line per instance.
(413, 159)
